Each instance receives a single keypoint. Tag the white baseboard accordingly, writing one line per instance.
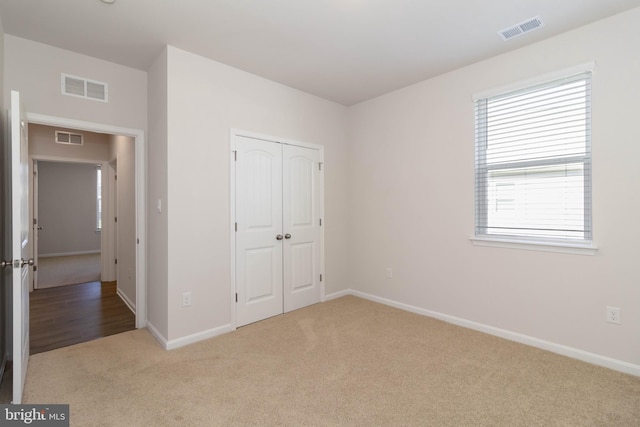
(126, 300)
(338, 294)
(69, 254)
(157, 335)
(189, 339)
(200, 336)
(585, 356)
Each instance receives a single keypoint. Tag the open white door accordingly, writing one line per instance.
(19, 244)
(36, 225)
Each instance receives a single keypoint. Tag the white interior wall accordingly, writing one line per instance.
(205, 100)
(411, 205)
(35, 70)
(67, 209)
(157, 224)
(42, 144)
(411, 164)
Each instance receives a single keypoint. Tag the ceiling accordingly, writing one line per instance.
(346, 51)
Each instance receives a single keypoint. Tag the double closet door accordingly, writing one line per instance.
(278, 238)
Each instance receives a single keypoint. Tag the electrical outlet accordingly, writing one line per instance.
(389, 273)
(613, 315)
(186, 299)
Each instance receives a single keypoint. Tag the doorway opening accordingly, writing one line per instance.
(66, 206)
(122, 261)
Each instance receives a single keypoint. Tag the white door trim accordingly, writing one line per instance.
(141, 191)
(234, 133)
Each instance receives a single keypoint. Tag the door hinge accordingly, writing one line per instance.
(320, 222)
(235, 156)
(319, 166)
(35, 221)
(116, 219)
(236, 297)
(116, 261)
(321, 277)
(138, 241)
(236, 226)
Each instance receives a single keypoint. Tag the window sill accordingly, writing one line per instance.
(565, 248)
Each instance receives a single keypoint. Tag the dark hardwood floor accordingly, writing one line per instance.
(73, 314)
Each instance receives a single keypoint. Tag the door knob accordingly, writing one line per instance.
(287, 236)
(4, 264)
(25, 262)
(279, 237)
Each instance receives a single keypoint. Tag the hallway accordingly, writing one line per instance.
(73, 314)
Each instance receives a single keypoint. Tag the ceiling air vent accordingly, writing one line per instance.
(84, 88)
(521, 28)
(69, 138)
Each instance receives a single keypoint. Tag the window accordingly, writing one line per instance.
(533, 163)
(99, 198)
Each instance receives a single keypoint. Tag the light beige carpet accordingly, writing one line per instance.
(68, 270)
(347, 362)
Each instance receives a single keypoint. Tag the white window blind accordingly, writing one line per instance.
(98, 198)
(533, 163)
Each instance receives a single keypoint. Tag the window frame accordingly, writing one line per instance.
(567, 245)
(99, 198)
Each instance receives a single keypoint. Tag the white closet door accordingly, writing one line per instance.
(301, 225)
(259, 227)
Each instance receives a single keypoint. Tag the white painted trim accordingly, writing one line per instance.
(232, 221)
(565, 248)
(543, 78)
(157, 335)
(109, 208)
(233, 134)
(323, 284)
(574, 353)
(338, 294)
(141, 194)
(68, 254)
(42, 119)
(126, 300)
(269, 138)
(200, 336)
(42, 158)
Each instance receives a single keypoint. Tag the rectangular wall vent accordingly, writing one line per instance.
(69, 138)
(84, 88)
(521, 28)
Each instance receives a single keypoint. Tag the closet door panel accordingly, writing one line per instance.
(259, 250)
(301, 225)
